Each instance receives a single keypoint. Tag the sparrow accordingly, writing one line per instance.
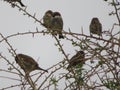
(57, 24)
(19, 1)
(78, 58)
(27, 63)
(47, 18)
(95, 27)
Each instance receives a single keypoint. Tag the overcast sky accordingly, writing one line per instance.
(75, 14)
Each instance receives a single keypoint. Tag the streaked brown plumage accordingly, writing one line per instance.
(27, 63)
(77, 59)
(47, 18)
(57, 24)
(53, 22)
(95, 27)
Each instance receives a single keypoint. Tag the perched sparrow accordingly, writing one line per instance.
(27, 63)
(95, 27)
(57, 24)
(77, 59)
(47, 18)
(19, 1)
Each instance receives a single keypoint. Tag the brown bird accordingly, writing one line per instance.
(47, 18)
(27, 63)
(19, 1)
(95, 27)
(57, 24)
(77, 59)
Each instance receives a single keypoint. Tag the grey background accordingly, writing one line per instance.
(75, 14)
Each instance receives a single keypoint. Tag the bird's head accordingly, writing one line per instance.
(95, 20)
(81, 53)
(56, 14)
(49, 13)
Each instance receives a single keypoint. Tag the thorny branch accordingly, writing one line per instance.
(102, 61)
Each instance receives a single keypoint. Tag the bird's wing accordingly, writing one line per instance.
(57, 23)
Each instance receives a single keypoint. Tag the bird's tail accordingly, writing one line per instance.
(61, 36)
(22, 4)
(43, 69)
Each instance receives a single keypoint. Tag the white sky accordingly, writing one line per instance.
(75, 13)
